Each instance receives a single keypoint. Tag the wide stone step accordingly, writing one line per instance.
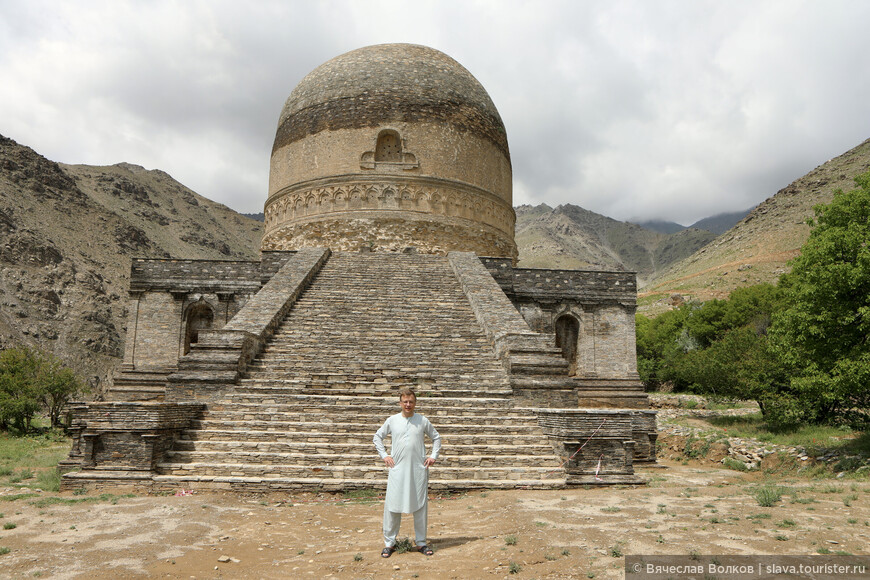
(363, 401)
(327, 416)
(390, 389)
(457, 445)
(349, 460)
(320, 438)
(273, 484)
(256, 422)
(370, 473)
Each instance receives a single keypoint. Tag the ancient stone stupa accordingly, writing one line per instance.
(388, 260)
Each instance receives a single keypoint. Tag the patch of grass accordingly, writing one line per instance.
(514, 568)
(825, 489)
(4, 550)
(54, 500)
(611, 509)
(758, 517)
(404, 545)
(768, 495)
(361, 494)
(550, 557)
(824, 550)
(49, 480)
(510, 540)
(357, 557)
(662, 509)
(852, 521)
(848, 499)
(803, 500)
(781, 538)
(566, 552)
(10, 526)
(615, 551)
(733, 464)
(17, 496)
(33, 456)
(787, 523)
(23, 475)
(812, 437)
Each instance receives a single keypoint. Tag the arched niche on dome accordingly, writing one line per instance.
(389, 153)
(389, 147)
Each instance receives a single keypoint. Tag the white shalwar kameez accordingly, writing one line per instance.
(408, 480)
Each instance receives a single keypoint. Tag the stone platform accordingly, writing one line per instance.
(289, 391)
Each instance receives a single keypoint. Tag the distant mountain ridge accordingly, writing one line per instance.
(718, 224)
(569, 236)
(67, 233)
(757, 249)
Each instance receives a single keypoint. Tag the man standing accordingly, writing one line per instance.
(408, 479)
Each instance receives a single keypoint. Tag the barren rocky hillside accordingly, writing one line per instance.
(572, 237)
(67, 233)
(759, 247)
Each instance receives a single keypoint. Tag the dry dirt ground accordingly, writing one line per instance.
(574, 533)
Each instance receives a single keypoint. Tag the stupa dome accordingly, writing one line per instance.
(388, 147)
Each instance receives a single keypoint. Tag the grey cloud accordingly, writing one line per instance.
(642, 110)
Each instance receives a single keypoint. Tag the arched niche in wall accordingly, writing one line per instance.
(200, 316)
(567, 333)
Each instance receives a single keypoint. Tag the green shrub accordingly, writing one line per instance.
(30, 382)
(767, 495)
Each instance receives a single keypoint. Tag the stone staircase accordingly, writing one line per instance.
(304, 414)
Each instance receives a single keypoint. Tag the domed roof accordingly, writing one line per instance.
(386, 83)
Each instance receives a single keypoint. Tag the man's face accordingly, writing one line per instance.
(408, 402)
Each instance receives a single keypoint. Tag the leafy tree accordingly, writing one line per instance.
(57, 385)
(673, 348)
(30, 382)
(822, 335)
(19, 397)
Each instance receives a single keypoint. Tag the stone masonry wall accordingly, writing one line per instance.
(152, 338)
(194, 275)
(602, 303)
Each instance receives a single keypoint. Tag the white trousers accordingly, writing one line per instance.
(393, 519)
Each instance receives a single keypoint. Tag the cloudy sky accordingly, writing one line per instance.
(634, 109)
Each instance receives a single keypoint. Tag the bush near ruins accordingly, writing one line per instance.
(823, 334)
(718, 348)
(32, 382)
(800, 349)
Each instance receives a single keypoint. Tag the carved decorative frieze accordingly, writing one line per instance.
(442, 200)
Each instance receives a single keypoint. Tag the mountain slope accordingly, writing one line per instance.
(758, 248)
(67, 233)
(572, 237)
(722, 222)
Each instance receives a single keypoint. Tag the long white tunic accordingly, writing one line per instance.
(408, 481)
